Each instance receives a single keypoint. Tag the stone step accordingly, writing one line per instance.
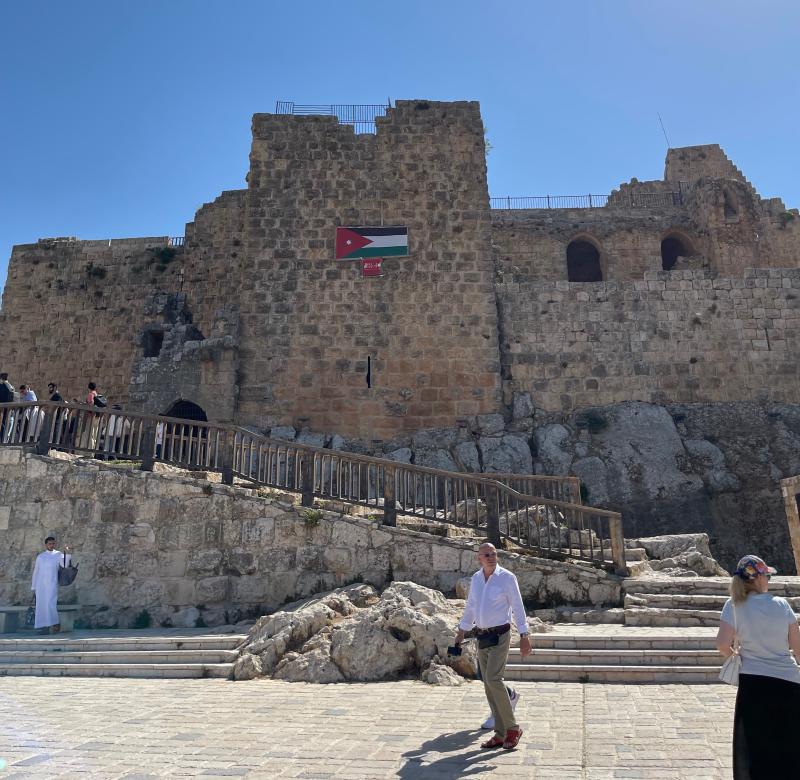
(615, 615)
(712, 586)
(118, 657)
(612, 674)
(172, 671)
(652, 616)
(616, 642)
(683, 601)
(129, 644)
(618, 657)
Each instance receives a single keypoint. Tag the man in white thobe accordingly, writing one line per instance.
(45, 584)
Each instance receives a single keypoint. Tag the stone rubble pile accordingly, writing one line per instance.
(356, 634)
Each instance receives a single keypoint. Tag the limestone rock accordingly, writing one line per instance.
(643, 454)
(247, 667)
(553, 455)
(466, 455)
(435, 459)
(285, 432)
(522, 406)
(490, 424)
(508, 454)
(437, 673)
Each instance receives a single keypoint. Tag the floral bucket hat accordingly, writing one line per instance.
(751, 566)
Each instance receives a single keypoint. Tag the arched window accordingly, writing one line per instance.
(184, 443)
(583, 262)
(673, 247)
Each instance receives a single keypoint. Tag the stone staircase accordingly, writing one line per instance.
(664, 634)
(166, 655)
(688, 601)
(618, 654)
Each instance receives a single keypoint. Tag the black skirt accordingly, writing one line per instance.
(765, 724)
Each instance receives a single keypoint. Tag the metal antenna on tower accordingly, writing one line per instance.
(669, 145)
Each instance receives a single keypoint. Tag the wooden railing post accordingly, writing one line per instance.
(493, 515)
(617, 545)
(45, 432)
(148, 445)
(227, 457)
(389, 497)
(307, 479)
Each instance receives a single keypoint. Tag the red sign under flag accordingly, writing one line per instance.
(372, 267)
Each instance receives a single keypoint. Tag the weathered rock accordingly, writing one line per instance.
(490, 424)
(285, 432)
(437, 673)
(402, 455)
(553, 455)
(466, 455)
(436, 459)
(644, 454)
(522, 406)
(311, 438)
(247, 667)
(435, 438)
(508, 454)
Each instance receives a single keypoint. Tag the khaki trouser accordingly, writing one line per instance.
(492, 661)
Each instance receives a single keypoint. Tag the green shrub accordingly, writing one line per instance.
(311, 517)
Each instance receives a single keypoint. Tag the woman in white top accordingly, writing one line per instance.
(767, 712)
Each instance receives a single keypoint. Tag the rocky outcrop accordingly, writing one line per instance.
(679, 468)
(355, 634)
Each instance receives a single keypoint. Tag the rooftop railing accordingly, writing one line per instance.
(360, 117)
(539, 514)
(619, 199)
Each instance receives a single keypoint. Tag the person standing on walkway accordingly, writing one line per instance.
(6, 397)
(493, 597)
(31, 414)
(768, 700)
(45, 584)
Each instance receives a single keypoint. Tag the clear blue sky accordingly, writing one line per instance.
(121, 119)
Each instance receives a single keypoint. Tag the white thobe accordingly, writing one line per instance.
(45, 585)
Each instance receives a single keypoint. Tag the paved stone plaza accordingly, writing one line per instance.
(137, 729)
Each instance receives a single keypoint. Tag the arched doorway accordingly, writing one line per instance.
(186, 410)
(184, 443)
(583, 262)
(674, 246)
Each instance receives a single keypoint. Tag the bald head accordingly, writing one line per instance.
(487, 557)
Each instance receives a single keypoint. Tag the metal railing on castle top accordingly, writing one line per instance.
(627, 199)
(539, 514)
(361, 117)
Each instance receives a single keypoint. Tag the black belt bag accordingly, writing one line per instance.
(490, 637)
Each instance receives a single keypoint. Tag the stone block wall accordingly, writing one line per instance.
(312, 327)
(187, 552)
(680, 336)
(72, 311)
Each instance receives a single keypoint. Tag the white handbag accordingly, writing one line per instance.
(733, 663)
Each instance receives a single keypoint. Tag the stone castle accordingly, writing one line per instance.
(681, 290)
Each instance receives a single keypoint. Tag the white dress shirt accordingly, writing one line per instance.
(491, 602)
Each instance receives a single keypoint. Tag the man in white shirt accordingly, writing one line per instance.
(493, 597)
(44, 584)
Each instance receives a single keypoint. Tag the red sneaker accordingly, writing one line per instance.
(494, 742)
(512, 738)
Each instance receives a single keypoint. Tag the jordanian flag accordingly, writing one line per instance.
(354, 242)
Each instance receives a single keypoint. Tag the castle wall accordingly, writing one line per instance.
(312, 327)
(72, 312)
(534, 242)
(683, 336)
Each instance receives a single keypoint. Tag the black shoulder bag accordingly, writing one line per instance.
(67, 574)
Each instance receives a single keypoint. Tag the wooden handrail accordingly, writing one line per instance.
(386, 485)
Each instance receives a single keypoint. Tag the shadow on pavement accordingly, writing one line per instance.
(471, 762)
